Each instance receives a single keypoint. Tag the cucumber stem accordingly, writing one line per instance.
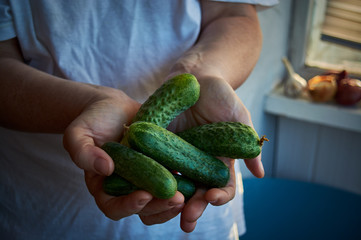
(262, 140)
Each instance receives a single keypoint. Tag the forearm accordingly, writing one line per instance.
(32, 100)
(228, 47)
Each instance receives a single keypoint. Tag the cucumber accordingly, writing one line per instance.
(115, 185)
(176, 154)
(168, 101)
(185, 186)
(142, 171)
(225, 139)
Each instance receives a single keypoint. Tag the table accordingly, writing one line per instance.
(288, 209)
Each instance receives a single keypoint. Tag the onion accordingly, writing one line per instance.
(338, 75)
(349, 91)
(322, 88)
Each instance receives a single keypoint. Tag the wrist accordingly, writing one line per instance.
(193, 63)
(115, 98)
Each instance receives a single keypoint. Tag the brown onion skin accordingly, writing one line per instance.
(348, 92)
(322, 88)
(339, 75)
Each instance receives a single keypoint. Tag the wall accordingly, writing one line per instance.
(299, 149)
(317, 153)
(269, 70)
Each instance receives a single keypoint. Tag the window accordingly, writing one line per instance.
(334, 35)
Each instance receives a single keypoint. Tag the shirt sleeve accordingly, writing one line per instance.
(7, 30)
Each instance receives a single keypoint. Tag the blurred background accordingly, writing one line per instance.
(312, 143)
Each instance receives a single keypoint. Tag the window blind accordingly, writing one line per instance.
(342, 23)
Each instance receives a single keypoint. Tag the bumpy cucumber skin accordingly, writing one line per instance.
(176, 154)
(225, 139)
(169, 100)
(141, 170)
(115, 185)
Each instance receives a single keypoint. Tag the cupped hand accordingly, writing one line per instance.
(150, 210)
(100, 121)
(218, 102)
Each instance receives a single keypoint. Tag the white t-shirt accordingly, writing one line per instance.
(129, 45)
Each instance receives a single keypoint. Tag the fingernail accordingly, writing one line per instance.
(213, 202)
(101, 166)
(142, 202)
(173, 204)
(177, 208)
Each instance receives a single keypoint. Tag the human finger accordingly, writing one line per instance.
(81, 147)
(163, 216)
(220, 196)
(162, 210)
(255, 166)
(193, 210)
(115, 207)
(157, 206)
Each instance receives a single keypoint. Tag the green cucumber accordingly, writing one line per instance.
(142, 171)
(176, 154)
(115, 185)
(168, 101)
(225, 139)
(185, 186)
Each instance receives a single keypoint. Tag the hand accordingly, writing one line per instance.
(102, 120)
(217, 102)
(150, 210)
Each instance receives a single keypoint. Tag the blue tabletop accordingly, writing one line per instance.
(287, 209)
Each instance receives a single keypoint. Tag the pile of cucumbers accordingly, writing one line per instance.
(151, 158)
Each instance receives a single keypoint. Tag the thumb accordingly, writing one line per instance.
(255, 166)
(82, 150)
